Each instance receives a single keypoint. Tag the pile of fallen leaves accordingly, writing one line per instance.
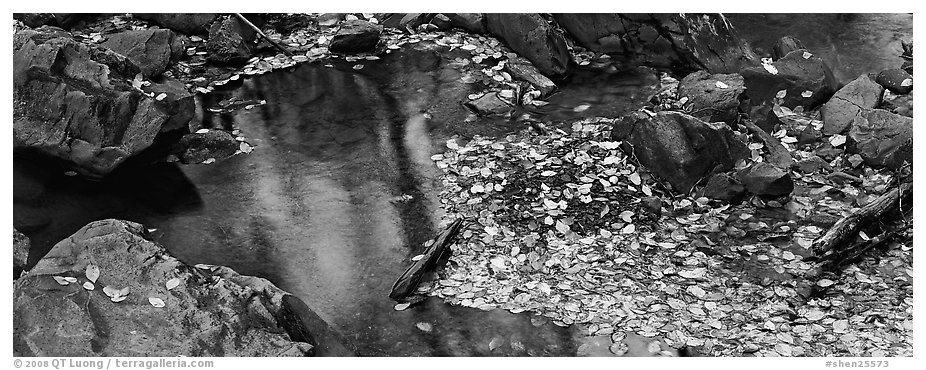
(554, 226)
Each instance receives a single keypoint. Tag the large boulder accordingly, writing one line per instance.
(198, 147)
(356, 36)
(532, 37)
(21, 247)
(713, 98)
(36, 20)
(684, 42)
(489, 104)
(678, 147)
(724, 188)
(152, 50)
(188, 23)
(882, 138)
(165, 307)
(851, 101)
(76, 102)
(786, 45)
(229, 41)
(806, 79)
(172, 97)
(765, 179)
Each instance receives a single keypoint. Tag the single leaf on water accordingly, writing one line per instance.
(423, 326)
(401, 306)
(418, 257)
(172, 283)
(93, 273)
(156, 302)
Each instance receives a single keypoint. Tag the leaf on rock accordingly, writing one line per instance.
(401, 306)
(172, 283)
(88, 285)
(60, 280)
(156, 302)
(92, 272)
(423, 326)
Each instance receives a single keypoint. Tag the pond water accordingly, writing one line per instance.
(340, 191)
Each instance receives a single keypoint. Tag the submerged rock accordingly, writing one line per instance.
(678, 147)
(198, 147)
(138, 300)
(188, 23)
(882, 138)
(806, 79)
(356, 36)
(851, 101)
(896, 80)
(529, 35)
(229, 41)
(765, 179)
(713, 98)
(75, 101)
(152, 50)
(488, 105)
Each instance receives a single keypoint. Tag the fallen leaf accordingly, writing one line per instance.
(88, 285)
(172, 283)
(423, 326)
(401, 306)
(60, 280)
(92, 272)
(156, 302)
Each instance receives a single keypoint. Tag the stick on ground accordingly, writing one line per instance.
(262, 35)
(436, 253)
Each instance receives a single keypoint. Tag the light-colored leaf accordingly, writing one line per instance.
(156, 302)
(60, 280)
(423, 326)
(92, 272)
(88, 285)
(401, 306)
(172, 283)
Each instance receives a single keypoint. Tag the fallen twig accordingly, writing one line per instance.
(262, 35)
(436, 254)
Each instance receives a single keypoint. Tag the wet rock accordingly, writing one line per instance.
(809, 135)
(907, 55)
(529, 35)
(813, 164)
(724, 188)
(765, 117)
(489, 104)
(20, 252)
(405, 21)
(896, 80)
(471, 22)
(187, 23)
(152, 50)
(882, 138)
(198, 147)
(75, 101)
(900, 104)
(229, 41)
(652, 206)
(713, 98)
(207, 314)
(356, 36)
(178, 102)
(522, 69)
(785, 45)
(765, 179)
(681, 42)
(679, 147)
(851, 101)
(795, 74)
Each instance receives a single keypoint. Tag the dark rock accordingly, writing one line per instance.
(522, 69)
(765, 117)
(356, 36)
(828, 152)
(809, 135)
(488, 105)
(882, 138)
(814, 164)
(196, 148)
(681, 42)
(796, 75)
(713, 98)
(907, 55)
(722, 187)
(786, 45)
(75, 101)
(679, 147)
(896, 80)
(188, 23)
(765, 179)
(406, 21)
(853, 100)
(304, 325)
(179, 103)
(36, 20)
(212, 312)
(442, 22)
(471, 22)
(529, 35)
(20, 252)
(152, 50)
(229, 41)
